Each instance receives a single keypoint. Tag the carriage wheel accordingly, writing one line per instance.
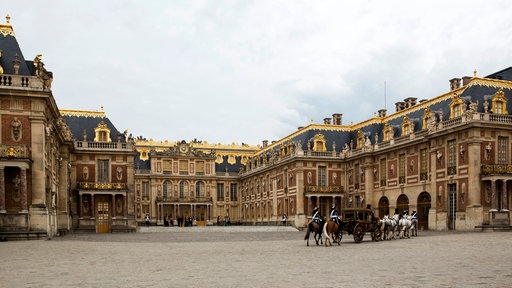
(358, 233)
(376, 235)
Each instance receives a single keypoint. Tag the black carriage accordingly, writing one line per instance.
(359, 221)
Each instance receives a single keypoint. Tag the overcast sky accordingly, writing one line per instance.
(247, 71)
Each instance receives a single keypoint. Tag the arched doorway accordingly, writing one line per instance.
(402, 203)
(383, 206)
(424, 204)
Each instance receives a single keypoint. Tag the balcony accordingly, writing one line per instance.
(21, 82)
(110, 146)
(496, 169)
(102, 186)
(323, 189)
(14, 151)
(184, 199)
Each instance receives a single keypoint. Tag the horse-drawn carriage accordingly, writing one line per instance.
(358, 221)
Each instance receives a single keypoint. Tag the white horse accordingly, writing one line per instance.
(405, 225)
(389, 227)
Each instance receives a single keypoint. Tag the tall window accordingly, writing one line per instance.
(452, 158)
(199, 189)
(220, 191)
(167, 189)
(322, 176)
(183, 189)
(383, 172)
(103, 171)
(233, 192)
(401, 168)
(356, 177)
(424, 164)
(145, 190)
(503, 150)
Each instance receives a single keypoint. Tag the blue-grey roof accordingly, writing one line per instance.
(11, 48)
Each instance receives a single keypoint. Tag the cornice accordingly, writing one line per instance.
(83, 113)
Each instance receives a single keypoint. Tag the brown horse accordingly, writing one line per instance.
(331, 233)
(314, 227)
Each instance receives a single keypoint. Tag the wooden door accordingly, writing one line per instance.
(102, 215)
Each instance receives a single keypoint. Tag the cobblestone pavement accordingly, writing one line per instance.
(256, 257)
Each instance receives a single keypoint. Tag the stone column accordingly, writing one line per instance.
(505, 195)
(2, 190)
(493, 195)
(125, 205)
(299, 183)
(37, 167)
(368, 183)
(93, 207)
(23, 191)
(474, 185)
(113, 205)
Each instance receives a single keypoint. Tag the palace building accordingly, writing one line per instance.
(448, 157)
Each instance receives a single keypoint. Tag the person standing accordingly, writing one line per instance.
(284, 219)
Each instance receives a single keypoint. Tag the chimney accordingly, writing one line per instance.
(382, 113)
(466, 80)
(336, 118)
(399, 106)
(327, 121)
(265, 143)
(300, 127)
(409, 102)
(454, 84)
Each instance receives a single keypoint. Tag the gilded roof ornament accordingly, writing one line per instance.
(6, 29)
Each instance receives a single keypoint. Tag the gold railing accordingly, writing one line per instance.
(101, 186)
(14, 151)
(323, 189)
(496, 169)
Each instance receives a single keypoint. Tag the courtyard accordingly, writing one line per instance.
(256, 257)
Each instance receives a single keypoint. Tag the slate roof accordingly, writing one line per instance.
(11, 48)
(80, 123)
(479, 92)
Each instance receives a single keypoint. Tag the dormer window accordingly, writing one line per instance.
(102, 133)
(388, 132)
(360, 139)
(456, 107)
(427, 117)
(499, 103)
(406, 126)
(319, 143)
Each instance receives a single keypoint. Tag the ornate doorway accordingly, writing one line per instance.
(102, 214)
(424, 204)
